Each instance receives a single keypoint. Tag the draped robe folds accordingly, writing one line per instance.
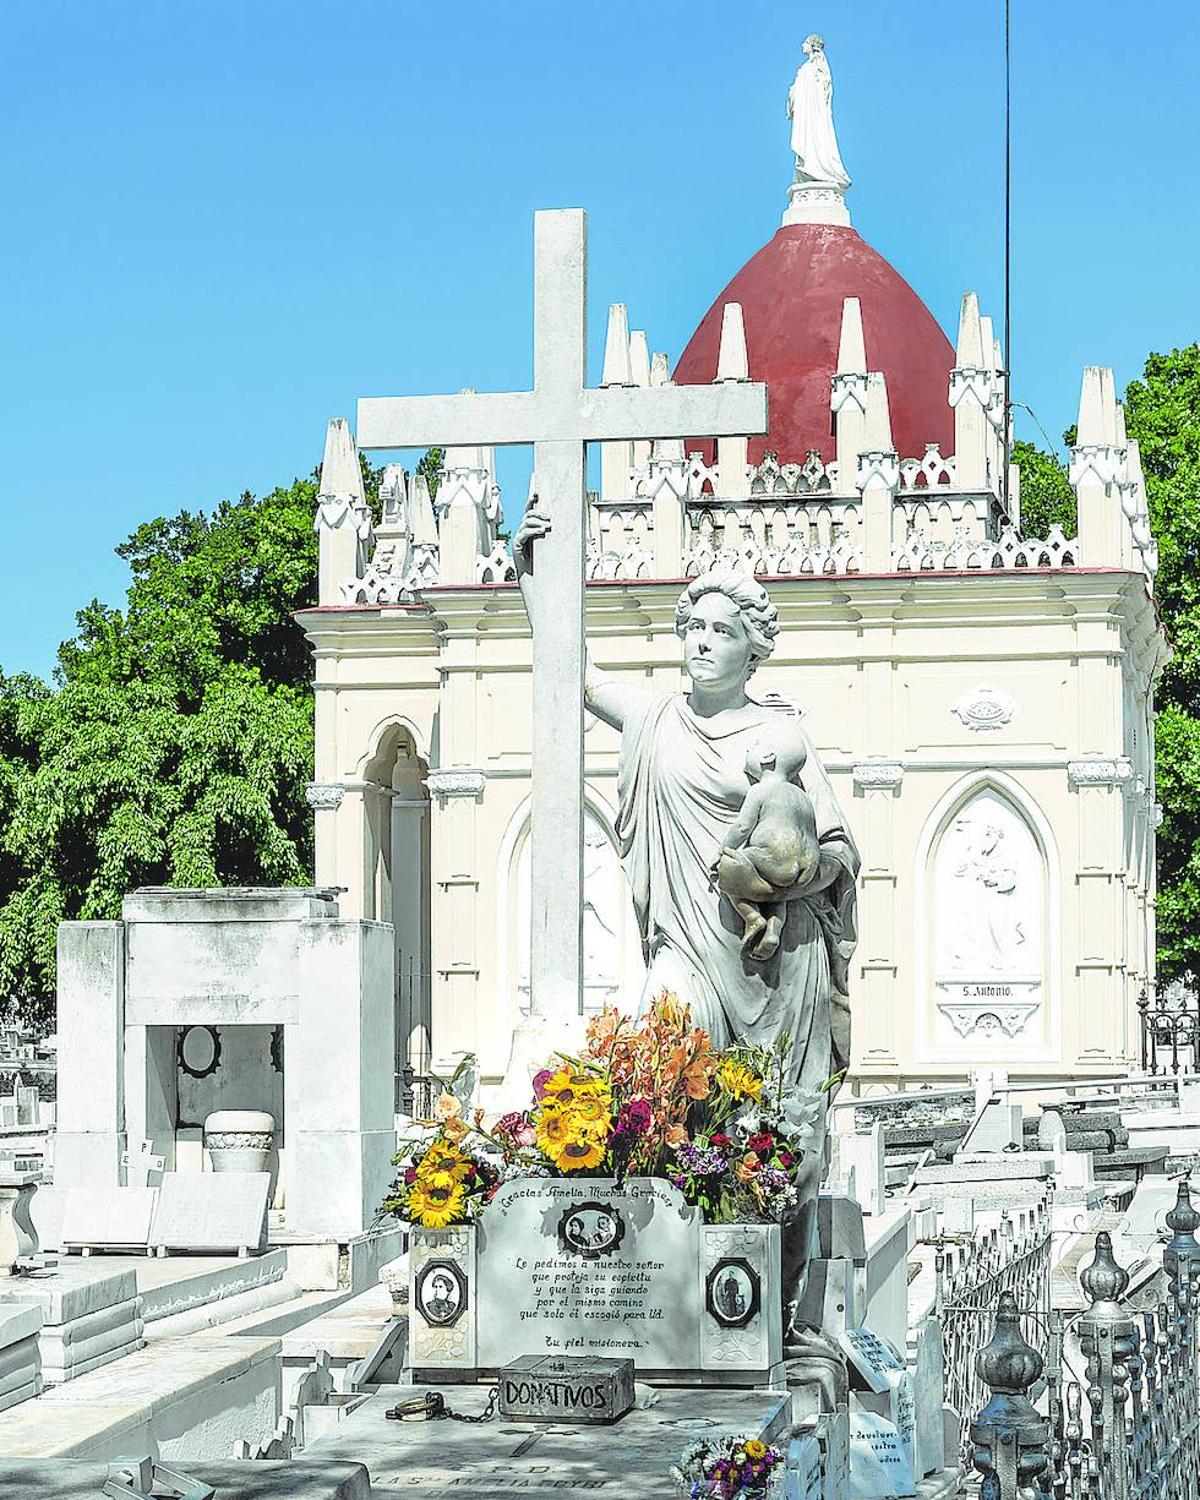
(814, 141)
(681, 783)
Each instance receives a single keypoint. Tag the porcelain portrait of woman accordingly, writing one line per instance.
(681, 784)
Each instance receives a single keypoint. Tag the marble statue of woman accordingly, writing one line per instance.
(681, 784)
(810, 109)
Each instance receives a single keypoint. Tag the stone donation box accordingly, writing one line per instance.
(201, 1002)
(623, 1270)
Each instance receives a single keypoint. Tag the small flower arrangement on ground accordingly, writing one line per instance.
(728, 1468)
(644, 1098)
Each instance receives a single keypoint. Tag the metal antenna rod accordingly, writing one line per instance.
(1006, 439)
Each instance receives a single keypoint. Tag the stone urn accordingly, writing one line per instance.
(394, 1276)
(239, 1140)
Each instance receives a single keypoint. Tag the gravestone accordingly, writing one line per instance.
(803, 1468)
(211, 1211)
(622, 1270)
(882, 1385)
(98, 1217)
(880, 1467)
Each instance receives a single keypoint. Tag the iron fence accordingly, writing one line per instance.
(1170, 1031)
(1013, 1260)
(1130, 1430)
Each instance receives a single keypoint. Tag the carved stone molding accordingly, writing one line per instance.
(878, 471)
(967, 381)
(975, 1019)
(334, 511)
(1156, 816)
(455, 783)
(324, 796)
(984, 708)
(1104, 462)
(849, 389)
(1100, 770)
(878, 773)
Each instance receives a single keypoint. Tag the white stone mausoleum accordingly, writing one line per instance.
(982, 698)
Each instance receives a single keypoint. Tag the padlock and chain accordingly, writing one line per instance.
(432, 1407)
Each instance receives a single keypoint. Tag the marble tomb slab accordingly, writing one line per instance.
(295, 1479)
(97, 1217)
(540, 1461)
(219, 1211)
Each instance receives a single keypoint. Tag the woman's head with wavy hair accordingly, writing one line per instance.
(758, 614)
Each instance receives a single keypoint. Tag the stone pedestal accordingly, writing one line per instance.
(18, 1237)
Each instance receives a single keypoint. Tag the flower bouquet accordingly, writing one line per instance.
(728, 1468)
(644, 1098)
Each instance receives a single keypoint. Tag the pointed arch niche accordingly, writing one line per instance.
(614, 970)
(396, 865)
(988, 925)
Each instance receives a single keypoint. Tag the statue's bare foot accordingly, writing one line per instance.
(754, 930)
(767, 946)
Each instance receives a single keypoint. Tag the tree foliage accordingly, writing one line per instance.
(1047, 498)
(1162, 411)
(175, 747)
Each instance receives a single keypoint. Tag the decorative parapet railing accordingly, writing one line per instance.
(923, 554)
(790, 522)
(1014, 1259)
(1131, 1429)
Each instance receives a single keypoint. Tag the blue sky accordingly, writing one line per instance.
(226, 220)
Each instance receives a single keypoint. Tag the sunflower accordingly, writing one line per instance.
(578, 1152)
(553, 1130)
(436, 1205)
(589, 1109)
(442, 1158)
(569, 1086)
(739, 1080)
(755, 1449)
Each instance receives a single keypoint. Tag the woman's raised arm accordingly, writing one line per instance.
(603, 694)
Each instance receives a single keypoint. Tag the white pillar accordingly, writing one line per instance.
(878, 477)
(639, 360)
(848, 396)
(972, 386)
(616, 459)
(1097, 471)
(343, 522)
(733, 363)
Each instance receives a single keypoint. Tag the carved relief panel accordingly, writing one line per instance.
(988, 903)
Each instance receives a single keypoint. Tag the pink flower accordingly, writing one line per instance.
(516, 1128)
(540, 1080)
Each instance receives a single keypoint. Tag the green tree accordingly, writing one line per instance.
(176, 744)
(1047, 498)
(1162, 411)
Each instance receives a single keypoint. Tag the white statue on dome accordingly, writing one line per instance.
(810, 109)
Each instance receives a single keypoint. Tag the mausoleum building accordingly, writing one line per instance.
(982, 698)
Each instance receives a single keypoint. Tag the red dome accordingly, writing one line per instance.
(791, 295)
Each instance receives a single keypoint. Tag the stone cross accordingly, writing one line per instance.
(143, 1161)
(560, 416)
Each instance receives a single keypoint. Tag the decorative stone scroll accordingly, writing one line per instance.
(455, 783)
(1100, 770)
(324, 796)
(878, 774)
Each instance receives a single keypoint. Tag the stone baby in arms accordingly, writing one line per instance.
(772, 845)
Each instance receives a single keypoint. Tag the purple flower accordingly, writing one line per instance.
(699, 1162)
(634, 1118)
